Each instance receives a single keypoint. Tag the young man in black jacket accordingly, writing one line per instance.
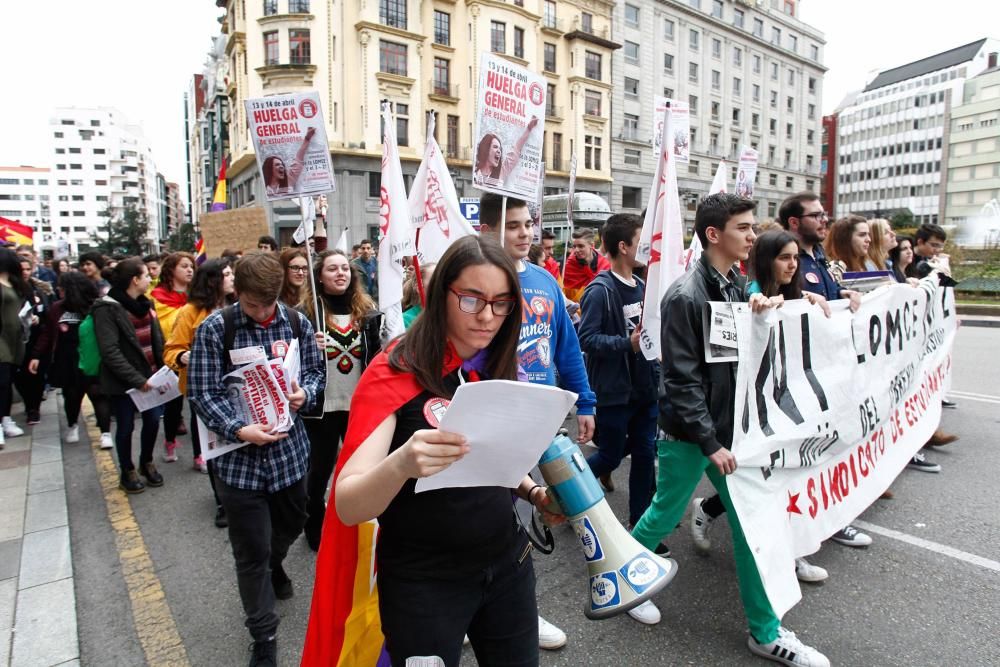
(697, 408)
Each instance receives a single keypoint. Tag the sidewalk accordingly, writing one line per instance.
(37, 598)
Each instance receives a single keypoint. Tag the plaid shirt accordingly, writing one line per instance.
(272, 467)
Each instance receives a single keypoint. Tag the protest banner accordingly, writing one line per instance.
(661, 242)
(680, 135)
(435, 213)
(395, 234)
(746, 172)
(235, 229)
(828, 412)
(509, 129)
(289, 137)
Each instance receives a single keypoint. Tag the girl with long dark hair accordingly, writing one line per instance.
(212, 284)
(131, 344)
(436, 545)
(14, 291)
(296, 273)
(847, 246)
(348, 335)
(31, 383)
(901, 258)
(60, 343)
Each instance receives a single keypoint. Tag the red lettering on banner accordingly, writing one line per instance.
(811, 492)
(862, 463)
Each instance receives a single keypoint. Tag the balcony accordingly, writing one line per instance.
(443, 91)
(553, 25)
(554, 112)
(588, 33)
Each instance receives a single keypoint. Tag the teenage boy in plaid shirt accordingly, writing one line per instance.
(262, 486)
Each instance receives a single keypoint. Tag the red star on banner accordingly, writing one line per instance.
(793, 503)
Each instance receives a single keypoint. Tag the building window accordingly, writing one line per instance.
(631, 50)
(668, 63)
(592, 152)
(550, 14)
(774, 71)
(793, 43)
(693, 167)
(738, 17)
(789, 130)
(271, 47)
(791, 77)
(772, 126)
(632, 15)
(756, 93)
(716, 79)
(693, 72)
(716, 107)
(630, 128)
(668, 29)
(592, 103)
(789, 182)
(693, 39)
(812, 85)
(737, 87)
(518, 42)
(738, 57)
(776, 36)
(442, 76)
(298, 6)
(392, 57)
(298, 43)
(633, 157)
(498, 37)
(631, 197)
(270, 7)
(736, 116)
(790, 104)
(755, 120)
(631, 87)
(453, 136)
(692, 104)
(810, 137)
(587, 22)
(774, 99)
(812, 112)
(814, 53)
(442, 28)
(392, 13)
(549, 60)
(550, 99)
(756, 64)
(592, 65)
(717, 8)
(772, 179)
(758, 28)
(668, 93)
(403, 124)
(375, 184)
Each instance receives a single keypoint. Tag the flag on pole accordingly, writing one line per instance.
(718, 185)
(306, 228)
(13, 231)
(395, 233)
(199, 251)
(661, 242)
(219, 201)
(434, 209)
(341, 244)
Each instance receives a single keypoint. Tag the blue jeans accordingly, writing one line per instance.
(622, 430)
(124, 411)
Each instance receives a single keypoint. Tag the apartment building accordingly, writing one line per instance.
(24, 198)
(206, 111)
(421, 56)
(752, 74)
(893, 139)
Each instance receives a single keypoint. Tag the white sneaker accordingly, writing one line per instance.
(106, 441)
(806, 571)
(73, 434)
(647, 613)
(788, 650)
(700, 524)
(549, 636)
(10, 429)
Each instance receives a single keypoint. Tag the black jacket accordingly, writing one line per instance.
(696, 403)
(605, 341)
(123, 364)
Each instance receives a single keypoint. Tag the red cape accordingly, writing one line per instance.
(169, 298)
(379, 394)
(580, 275)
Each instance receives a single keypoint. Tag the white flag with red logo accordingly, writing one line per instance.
(434, 210)
(718, 185)
(395, 235)
(661, 243)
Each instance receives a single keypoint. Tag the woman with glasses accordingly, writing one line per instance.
(434, 547)
(296, 270)
(347, 333)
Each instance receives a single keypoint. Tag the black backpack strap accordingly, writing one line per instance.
(295, 321)
(228, 334)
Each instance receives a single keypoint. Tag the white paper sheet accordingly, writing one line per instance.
(163, 389)
(508, 425)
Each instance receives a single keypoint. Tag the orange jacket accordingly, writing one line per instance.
(179, 341)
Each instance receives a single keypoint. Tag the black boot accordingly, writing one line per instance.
(153, 478)
(264, 653)
(221, 521)
(130, 482)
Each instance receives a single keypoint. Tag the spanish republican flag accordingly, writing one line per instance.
(14, 232)
(219, 200)
(344, 625)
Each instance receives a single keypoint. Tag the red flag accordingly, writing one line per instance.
(14, 232)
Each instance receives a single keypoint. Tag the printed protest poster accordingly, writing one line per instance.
(289, 137)
(509, 129)
(746, 172)
(163, 388)
(680, 134)
(828, 412)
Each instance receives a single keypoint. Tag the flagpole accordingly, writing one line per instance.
(311, 272)
(502, 224)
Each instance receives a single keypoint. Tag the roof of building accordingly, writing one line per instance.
(26, 168)
(927, 65)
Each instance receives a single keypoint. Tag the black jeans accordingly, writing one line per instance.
(495, 608)
(73, 398)
(324, 438)
(124, 410)
(196, 450)
(7, 372)
(172, 415)
(628, 429)
(31, 386)
(262, 526)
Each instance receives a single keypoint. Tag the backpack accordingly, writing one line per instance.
(90, 353)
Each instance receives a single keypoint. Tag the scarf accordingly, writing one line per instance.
(169, 298)
(137, 307)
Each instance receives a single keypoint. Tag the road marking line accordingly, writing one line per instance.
(154, 623)
(974, 396)
(942, 549)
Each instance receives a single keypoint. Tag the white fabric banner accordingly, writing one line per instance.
(434, 210)
(828, 412)
(395, 234)
(661, 242)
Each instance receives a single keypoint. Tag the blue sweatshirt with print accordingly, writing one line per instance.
(548, 340)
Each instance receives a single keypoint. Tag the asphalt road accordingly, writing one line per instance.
(895, 603)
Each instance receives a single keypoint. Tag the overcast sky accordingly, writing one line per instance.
(139, 55)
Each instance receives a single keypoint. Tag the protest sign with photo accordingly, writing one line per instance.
(828, 412)
(289, 137)
(510, 124)
(680, 134)
(746, 172)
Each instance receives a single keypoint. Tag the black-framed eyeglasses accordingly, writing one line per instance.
(473, 304)
(298, 269)
(821, 215)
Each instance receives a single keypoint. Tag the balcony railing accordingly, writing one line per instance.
(579, 26)
(443, 88)
(552, 111)
(553, 23)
